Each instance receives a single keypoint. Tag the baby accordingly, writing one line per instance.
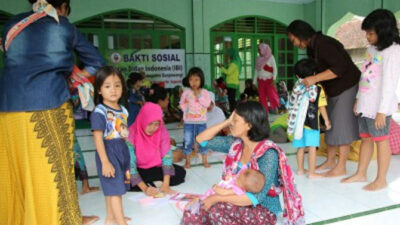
(248, 180)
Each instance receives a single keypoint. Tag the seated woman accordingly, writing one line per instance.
(151, 156)
(249, 125)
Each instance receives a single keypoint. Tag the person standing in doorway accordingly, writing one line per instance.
(232, 75)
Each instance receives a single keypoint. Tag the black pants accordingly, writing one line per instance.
(232, 98)
(156, 174)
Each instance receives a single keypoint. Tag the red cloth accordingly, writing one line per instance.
(268, 68)
(267, 91)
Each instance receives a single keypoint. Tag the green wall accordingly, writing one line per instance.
(199, 16)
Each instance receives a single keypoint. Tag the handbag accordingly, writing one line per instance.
(85, 89)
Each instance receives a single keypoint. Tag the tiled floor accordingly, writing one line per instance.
(326, 201)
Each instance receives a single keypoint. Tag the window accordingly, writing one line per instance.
(246, 34)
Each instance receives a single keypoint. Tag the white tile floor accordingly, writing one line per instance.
(324, 199)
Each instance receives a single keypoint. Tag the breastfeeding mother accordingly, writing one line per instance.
(339, 77)
(249, 125)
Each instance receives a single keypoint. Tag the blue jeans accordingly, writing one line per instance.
(190, 131)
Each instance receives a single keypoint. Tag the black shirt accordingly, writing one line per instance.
(330, 54)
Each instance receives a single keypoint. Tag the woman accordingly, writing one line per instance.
(266, 72)
(232, 75)
(339, 77)
(151, 155)
(249, 125)
(34, 95)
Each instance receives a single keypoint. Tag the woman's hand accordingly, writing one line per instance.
(151, 191)
(308, 81)
(208, 202)
(355, 108)
(328, 125)
(167, 190)
(107, 169)
(380, 121)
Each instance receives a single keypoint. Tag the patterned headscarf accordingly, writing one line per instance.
(41, 8)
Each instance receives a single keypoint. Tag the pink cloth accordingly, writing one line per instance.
(195, 108)
(149, 149)
(394, 137)
(266, 90)
(265, 54)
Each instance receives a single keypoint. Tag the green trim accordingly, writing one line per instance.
(356, 215)
(128, 11)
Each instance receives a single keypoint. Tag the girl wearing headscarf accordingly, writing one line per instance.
(232, 75)
(151, 155)
(266, 72)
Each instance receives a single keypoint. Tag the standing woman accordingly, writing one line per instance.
(36, 118)
(339, 77)
(232, 75)
(265, 77)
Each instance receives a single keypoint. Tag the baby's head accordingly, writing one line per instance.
(251, 180)
(305, 68)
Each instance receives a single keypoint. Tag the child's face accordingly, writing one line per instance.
(152, 127)
(241, 180)
(111, 90)
(138, 84)
(371, 36)
(194, 82)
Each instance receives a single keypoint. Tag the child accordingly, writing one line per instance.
(376, 98)
(283, 95)
(112, 157)
(136, 99)
(194, 103)
(305, 106)
(247, 180)
(221, 97)
(251, 91)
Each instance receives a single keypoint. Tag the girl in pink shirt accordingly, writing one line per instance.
(376, 97)
(194, 103)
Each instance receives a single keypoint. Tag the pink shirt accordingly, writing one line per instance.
(379, 81)
(195, 108)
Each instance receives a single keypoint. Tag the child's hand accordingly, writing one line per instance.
(328, 125)
(152, 191)
(380, 121)
(167, 190)
(108, 169)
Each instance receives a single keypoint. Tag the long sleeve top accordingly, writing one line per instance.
(268, 166)
(167, 167)
(38, 62)
(330, 54)
(269, 71)
(232, 75)
(379, 81)
(194, 107)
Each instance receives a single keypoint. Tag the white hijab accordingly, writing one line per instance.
(216, 115)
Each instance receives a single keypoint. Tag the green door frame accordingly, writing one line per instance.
(286, 72)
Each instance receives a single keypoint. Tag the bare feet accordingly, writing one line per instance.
(88, 190)
(354, 178)
(376, 185)
(301, 172)
(326, 166)
(314, 175)
(114, 222)
(187, 165)
(86, 220)
(335, 173)
(206, 165)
